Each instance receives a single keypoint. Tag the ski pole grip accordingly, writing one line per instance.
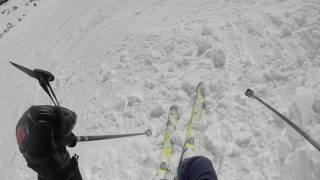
(148, 133)
(70, 140)
(249, 93)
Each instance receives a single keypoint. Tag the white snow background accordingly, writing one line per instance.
(120, 64)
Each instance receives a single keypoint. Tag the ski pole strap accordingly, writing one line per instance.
(250, 93)
(102, 137)
(55, 97)
(45, 84)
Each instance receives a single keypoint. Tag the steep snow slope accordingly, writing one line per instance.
(121, 64)
(13, 12)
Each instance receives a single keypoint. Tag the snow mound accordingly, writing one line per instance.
(203, 45)
(217, 56)
(243, 138)
(316, 106)
(134, 99)
(157, 111)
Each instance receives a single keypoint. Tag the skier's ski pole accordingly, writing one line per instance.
(102, 137)
(250, 93)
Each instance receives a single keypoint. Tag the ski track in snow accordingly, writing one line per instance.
(121, 64)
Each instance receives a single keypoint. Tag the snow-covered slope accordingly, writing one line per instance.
(121, 64)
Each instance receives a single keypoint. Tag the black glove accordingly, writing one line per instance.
(70, 140)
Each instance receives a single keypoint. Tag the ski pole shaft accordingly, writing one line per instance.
(250, 93)
(102, 137)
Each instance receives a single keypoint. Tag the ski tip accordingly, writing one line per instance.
(200, 85)
(148, 133)
(249, 93)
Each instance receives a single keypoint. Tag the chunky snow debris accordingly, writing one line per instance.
(203, 45)
(316, 106)
(217, 56)
(157, 111)
(243, 138)
(135, 98)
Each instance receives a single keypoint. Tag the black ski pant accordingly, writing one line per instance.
(197, 168)
(71, 172)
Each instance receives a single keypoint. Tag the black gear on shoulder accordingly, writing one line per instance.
(40, 133)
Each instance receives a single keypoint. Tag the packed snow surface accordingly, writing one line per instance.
(120, 65)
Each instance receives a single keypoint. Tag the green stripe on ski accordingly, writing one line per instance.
(167, 146)
(196, 114)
